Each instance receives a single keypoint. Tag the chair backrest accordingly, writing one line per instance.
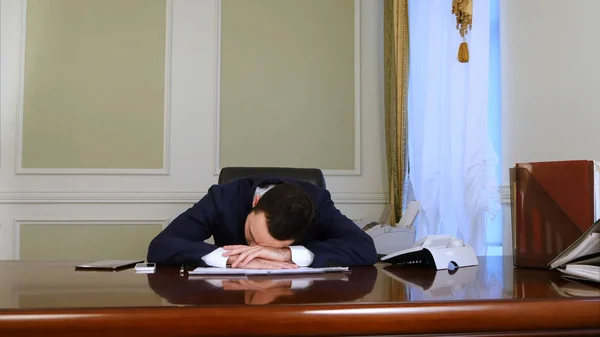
(311, 175)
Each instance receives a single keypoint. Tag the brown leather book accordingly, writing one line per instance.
(552, 205)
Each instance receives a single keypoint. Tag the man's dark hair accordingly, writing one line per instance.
(289, 211)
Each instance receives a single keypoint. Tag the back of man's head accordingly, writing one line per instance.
(289, 211)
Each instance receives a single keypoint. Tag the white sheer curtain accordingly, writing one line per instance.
(451, 159)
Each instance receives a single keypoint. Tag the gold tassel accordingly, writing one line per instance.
(463, 9)
(463, 52)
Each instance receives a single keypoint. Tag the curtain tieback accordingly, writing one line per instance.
(463, 9)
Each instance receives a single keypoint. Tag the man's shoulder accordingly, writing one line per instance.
(233, 189)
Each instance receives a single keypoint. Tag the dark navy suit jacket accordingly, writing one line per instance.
(334, 239)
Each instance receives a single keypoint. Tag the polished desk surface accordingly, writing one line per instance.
(492, 297)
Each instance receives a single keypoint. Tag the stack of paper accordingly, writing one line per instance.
(242, 271)
(581, 260)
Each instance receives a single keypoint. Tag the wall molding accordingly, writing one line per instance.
(59, 197)
(19, 170)
(17, 223)
(154, 197)
(357, 101)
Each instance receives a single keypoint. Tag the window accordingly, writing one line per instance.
(494, 230)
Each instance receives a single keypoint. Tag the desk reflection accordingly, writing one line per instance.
(30, 285)
(432, 283)
(51, 297)
(490, 280)
(259, 290)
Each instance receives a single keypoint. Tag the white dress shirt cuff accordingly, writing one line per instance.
(216, 258)
(301, 256)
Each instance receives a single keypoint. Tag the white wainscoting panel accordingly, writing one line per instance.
(118, 196)
(19, 223)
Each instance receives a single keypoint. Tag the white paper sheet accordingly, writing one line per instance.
(242, 271)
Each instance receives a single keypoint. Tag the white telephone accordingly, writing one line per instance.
(439, 251)
(389, 239)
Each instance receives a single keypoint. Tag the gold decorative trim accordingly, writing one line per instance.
(396, 61)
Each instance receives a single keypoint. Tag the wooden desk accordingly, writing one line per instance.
(492, 299)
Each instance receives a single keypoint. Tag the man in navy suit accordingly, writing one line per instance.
(266, 223)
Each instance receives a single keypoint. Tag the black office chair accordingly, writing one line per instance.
(311, 175)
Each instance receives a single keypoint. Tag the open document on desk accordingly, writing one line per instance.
(581, 260)
(242, 271)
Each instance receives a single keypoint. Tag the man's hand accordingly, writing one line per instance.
(259, 263)
(245, 254)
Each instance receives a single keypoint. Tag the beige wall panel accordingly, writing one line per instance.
(94, 78)
(287, 83)
(85, 242)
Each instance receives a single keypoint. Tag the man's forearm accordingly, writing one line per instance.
(286, 254)
(281, 255)
(298, 255)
